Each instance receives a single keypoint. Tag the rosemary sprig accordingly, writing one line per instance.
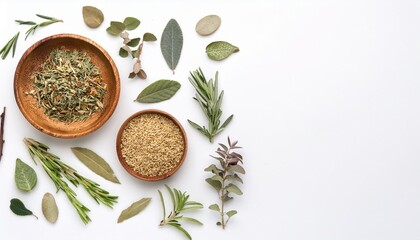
(225, 178)
(2, 117)
(56, 169)
(50, 20)
(11, 44)
(208, 97)
(180, 204)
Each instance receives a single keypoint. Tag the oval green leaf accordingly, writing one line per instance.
(123, 53)
(134, 209)
(214, 207)
(131, 23)
(234, 189)
(95, 163)
(231, 213)
(134, 42)
(149, 37)
(19, 208)
(208, 25)
(158, 91)
(49, 208)
(171, 43)
(116, 28)
(92, 16)
(25, 176)
(220, 50)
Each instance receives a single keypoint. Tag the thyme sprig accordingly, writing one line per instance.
(180, 204)
(225, 178)
(208, 97)
(49, 21)
(56, 169)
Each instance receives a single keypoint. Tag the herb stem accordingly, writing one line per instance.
(2, 117)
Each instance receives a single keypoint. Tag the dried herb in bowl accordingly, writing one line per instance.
(68, 86)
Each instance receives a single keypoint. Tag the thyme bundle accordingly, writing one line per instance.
(56, 169)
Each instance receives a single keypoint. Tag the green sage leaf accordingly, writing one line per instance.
(233, 189)
(231, 213)
(149, 37)
(220, 50)
(49, 208)
(116, 28)
(92, 16)
(171, 43)
(158, 91)
(95, 163)
(134, 209)
(214, 207)
(131, 23)
(208, 25)
(19, 208)
(25, 176)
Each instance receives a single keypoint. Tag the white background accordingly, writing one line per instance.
(326, 102)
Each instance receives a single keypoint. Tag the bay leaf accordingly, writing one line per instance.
(134, 209)
(25, 176)
(220, 50)
(131, 23)
(158, 91)
(208, 25)
(19, 208)
(115, 28)
(171, 43)
(49, 208)
(92, 16)
(95, 163)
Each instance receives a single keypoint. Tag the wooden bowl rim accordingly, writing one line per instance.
(124, 163)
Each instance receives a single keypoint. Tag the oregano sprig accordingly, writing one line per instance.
(208, 97)
(225, 177)
(56, 169)
(180, 204)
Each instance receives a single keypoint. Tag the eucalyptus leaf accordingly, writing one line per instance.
(158, 91)
(134, 209)
(233, 189)
(220, 50)
(131, 23)
(92, 16)
(95, 163)
(208, 25)
(171, 43)
(214, 207)
(25, 176)
(115, 28)
(19, 208)
(49, 208)
(149, 37)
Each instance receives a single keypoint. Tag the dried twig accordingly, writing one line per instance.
(2, 116)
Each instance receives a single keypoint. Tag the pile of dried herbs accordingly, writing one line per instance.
(69, 86)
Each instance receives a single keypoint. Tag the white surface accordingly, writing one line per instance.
(325, 96)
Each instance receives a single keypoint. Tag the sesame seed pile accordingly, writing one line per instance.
(152, 145)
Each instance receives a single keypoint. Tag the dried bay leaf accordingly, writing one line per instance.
(19, 208)
(208, 25)
(92, 16)
(171, 43)
(158, 91)
(220, 50)
(95, 163)
(25, 176)
(134, 209)
(49, 208)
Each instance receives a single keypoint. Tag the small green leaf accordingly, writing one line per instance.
(92, 16)
(212, 168)
(134, 42)
(149, 37)
(134, 209)
(171, 43)
(116, 28)
(215, 184)
(131, 23)
(237, 168)
(220, 50)
(231, 213)
(19, 208)
(158, 91)
(234, 177)
(178, 226)
(217, 178)
(233, 189)
(49, 208)
(214, 207)
(123, 53)
(191, 220)
(25, 176)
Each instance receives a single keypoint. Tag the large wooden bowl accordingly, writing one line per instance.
(31, 62)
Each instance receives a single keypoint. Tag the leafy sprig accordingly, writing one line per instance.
(225, 177)
(49, 21)
(180, 204)
(120, 29)
(11, 44)
(208, 97)
(56, 169)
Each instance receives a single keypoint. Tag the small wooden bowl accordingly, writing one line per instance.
(31, 62)
(130, 169)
